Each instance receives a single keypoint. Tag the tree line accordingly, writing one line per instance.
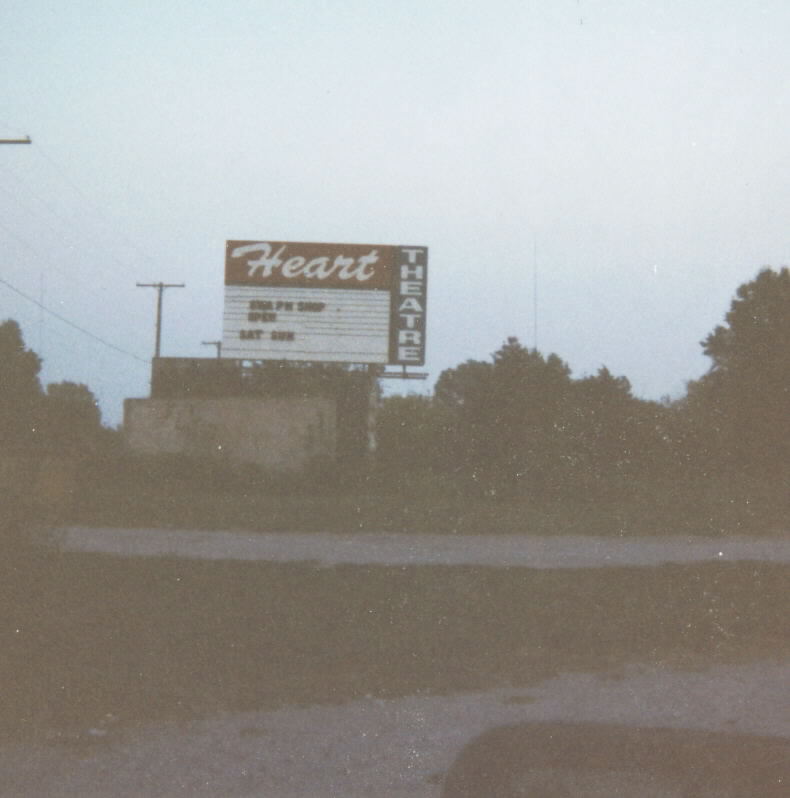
(517, 424)
(62, 416)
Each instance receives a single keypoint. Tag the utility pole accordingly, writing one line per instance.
(160, 287)
(218, 344)
(25, 140)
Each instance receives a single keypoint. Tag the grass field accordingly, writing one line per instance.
(87, 635)
(686, 511)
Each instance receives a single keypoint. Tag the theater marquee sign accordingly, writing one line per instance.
(348, 303)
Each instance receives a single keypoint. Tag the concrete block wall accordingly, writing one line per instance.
(283, 434)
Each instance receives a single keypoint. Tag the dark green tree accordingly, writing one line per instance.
(20, 390)
(72, 417)
(743, 403)
(507, 415)
(414, 436)
(611, 439)
(463, 393)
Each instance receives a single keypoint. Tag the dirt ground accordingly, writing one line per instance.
(371, 748)
(306, 673)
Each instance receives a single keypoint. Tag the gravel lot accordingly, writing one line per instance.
(400, 746)
(374, 748)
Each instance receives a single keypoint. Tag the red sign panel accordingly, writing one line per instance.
(294, 265)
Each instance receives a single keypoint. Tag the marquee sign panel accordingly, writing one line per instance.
(348, 303)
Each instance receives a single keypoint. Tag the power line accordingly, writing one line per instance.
(50, 265)
(68, 225)
(18, 237)
(108, 220)
(54, 267)
(71, 323)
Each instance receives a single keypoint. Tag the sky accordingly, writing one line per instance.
(594, 177)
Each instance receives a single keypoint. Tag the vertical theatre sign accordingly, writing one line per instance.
(349, 303)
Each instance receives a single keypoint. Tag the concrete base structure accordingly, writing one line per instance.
(283, 434)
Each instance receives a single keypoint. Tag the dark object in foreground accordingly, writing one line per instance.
(543, 760)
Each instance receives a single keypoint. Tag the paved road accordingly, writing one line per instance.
(325, 549)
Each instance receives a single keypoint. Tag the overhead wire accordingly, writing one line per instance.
(51, 262)
(52, 266)
(13, 233)
(72, 324)
(59, 216)
(108, 221)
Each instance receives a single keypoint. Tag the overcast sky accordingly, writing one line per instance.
(631, 155)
